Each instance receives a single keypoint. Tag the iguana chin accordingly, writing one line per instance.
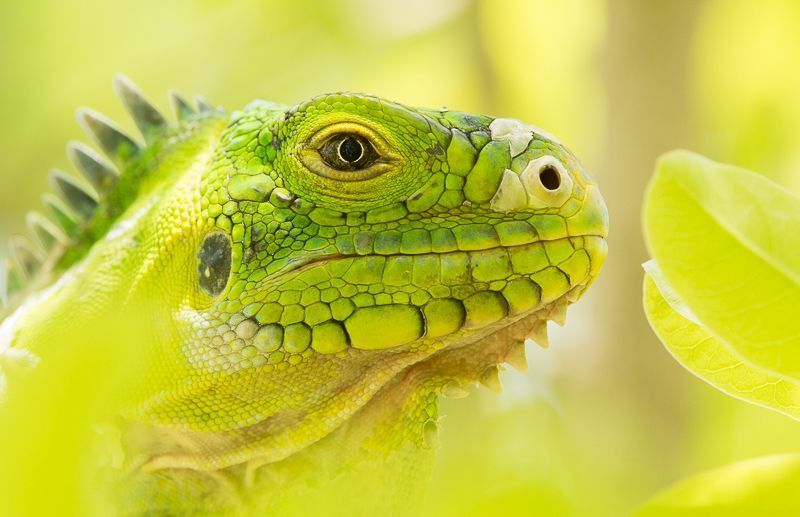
(304, 282)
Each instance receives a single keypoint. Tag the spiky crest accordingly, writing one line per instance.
(183, 110)
(100, 175)
(76, 202)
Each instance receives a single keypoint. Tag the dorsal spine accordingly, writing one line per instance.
(76, 200)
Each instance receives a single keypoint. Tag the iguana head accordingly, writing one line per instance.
(300, 261)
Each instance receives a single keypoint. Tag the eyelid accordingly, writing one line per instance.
(321, 137)
(309, 153)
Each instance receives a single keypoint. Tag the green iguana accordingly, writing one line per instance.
(303, 283)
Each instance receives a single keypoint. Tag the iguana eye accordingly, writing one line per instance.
(214, 263)
(348, 152)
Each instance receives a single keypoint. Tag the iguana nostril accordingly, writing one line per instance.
(550, 177)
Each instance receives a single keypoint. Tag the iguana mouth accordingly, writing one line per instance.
(301, 264)
(426, 295)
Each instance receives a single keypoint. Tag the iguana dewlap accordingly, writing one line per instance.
(304, 282)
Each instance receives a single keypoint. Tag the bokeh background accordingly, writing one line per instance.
(605, 418)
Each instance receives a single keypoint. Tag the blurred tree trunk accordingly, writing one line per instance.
(486, 77)
(649, 46)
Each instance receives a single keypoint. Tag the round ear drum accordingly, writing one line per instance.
(214, 263)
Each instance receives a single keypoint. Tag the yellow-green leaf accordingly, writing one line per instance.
(708, 357)
(764, 486)
(727, 241)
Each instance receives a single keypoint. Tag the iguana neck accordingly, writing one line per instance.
(381, 454)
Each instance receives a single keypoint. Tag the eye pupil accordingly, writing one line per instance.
(350, 150)
(550, 178)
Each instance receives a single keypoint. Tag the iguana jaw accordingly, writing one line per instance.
(522, 302)
(441, 365)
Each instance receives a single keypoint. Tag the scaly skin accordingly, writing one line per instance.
(304, 313)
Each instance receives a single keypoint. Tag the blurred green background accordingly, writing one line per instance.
(605, 418)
